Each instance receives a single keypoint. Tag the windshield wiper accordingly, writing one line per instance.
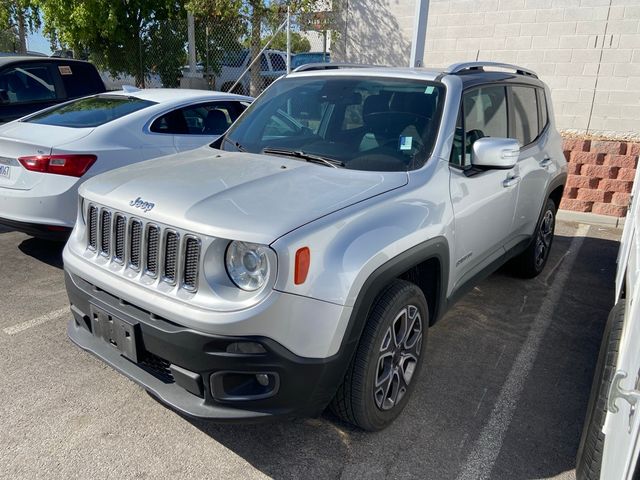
(235, 144)
(309, 157)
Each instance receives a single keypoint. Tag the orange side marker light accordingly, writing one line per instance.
(303, 260)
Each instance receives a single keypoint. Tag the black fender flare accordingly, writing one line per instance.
(437, 248)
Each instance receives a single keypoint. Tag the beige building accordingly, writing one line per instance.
(588, 51)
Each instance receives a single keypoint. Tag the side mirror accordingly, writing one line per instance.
(498, 153)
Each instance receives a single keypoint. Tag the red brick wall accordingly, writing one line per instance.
(601, 174)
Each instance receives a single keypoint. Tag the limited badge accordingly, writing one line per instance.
(65, 70)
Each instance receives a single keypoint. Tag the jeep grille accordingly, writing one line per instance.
(144, 246)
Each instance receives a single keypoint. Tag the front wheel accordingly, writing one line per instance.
(384, 370)
(532, 261)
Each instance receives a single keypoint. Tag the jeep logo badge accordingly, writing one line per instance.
(142, 205)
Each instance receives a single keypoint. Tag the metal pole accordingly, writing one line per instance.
(288, 40)
(191, 37)
(419, 33)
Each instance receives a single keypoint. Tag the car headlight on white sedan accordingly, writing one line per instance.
(248, 265)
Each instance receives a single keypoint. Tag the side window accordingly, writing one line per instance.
(29, 83)
(485, 115)
(525, 114)
(204, 119)
(172, 123)
(277, 62)
(264, 67)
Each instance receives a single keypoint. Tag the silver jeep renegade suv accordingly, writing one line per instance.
(300, 260)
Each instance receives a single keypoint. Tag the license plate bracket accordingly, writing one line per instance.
(119, 333)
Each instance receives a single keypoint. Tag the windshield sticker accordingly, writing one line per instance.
(64, 70)
(429, 90)
(405, 142)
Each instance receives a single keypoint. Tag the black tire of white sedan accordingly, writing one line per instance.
(592, 441)
(386, 365)
(531, 262)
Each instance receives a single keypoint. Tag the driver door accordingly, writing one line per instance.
(484, 201)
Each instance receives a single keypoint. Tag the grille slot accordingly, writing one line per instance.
(170, 256)
(105, 230)
(153, 239)
(93, 227)
(157, 251)
(120, 235)
(135, 237)
(191, 263)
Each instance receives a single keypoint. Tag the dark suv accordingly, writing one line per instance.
(29, 84)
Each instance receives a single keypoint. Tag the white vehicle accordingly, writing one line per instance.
(610, 440)
(44, 157)
(273, 64)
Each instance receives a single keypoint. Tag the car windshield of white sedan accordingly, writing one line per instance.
(374, 124)
(90, 111)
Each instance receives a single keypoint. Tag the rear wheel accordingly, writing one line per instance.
(384, 370)
(532, 261)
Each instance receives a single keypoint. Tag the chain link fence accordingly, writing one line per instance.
(228, 57)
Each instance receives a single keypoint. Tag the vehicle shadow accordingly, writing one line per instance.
(46, 251)
(469, 355)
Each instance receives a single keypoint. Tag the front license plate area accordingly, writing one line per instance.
(119, 333)
(5, 171)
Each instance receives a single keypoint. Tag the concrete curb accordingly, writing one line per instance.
(590, 218)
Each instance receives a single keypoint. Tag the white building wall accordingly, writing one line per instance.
(587, 51)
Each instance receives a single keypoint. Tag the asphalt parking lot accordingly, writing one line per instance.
(503, 394)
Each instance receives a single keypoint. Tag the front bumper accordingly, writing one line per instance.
(176, 364)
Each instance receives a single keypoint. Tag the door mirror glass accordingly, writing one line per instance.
(499, 153)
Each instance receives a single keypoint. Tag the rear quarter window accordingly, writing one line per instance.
(525, 113)
(90, 111)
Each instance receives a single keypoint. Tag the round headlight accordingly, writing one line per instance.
(247, 265)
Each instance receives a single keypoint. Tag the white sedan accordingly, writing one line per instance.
(44, 157)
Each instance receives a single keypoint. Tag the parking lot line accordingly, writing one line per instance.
(486, 449)
(36, 321)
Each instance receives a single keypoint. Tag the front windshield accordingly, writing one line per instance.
(374, 124)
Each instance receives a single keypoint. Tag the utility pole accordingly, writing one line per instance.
(419, 33)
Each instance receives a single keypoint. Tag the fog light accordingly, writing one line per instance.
(263, 379)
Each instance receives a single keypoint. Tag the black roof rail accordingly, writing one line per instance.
(470, 66)
(309, 67)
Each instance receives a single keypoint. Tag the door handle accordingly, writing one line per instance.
(546, 162)
(511, 181)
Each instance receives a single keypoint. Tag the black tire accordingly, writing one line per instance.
(358, 400)
(531, 262)
(589, 458)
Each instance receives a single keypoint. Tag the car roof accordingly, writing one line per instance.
(171, 95)
(10, 59)
(469, 78)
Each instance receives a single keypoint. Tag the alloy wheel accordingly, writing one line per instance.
(398, 357)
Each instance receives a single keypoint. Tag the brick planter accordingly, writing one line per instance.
(601, 174)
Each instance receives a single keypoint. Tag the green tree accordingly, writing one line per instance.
(258, 17)
(17, 18)
(121, 36)
(299, 43)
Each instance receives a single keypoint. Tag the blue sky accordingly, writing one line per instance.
(37, 43)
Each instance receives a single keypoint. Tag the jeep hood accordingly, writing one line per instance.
(234, 195)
